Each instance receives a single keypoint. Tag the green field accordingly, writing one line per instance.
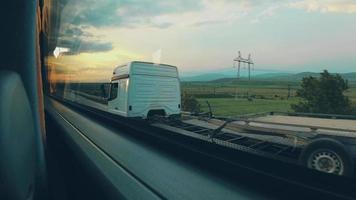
(231, 99)
(233, 107)
(262, 89)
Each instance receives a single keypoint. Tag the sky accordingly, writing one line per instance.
(205, 35)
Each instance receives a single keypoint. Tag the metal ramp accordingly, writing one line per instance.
(246, 142)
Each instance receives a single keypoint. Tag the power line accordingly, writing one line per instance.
(240, 60)
(247, 61)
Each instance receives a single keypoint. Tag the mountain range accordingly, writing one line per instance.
(290, 77)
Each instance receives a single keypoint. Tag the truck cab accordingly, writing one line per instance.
(142, 89)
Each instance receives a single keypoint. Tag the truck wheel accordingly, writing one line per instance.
(327, 155)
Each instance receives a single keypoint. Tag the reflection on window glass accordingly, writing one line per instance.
(287, 66)
(114, 90)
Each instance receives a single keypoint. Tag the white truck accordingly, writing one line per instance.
(326, 143)
(142, 89)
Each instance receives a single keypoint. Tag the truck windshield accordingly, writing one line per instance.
(275, 79)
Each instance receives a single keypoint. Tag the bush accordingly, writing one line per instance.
(323, 95)
(190, 103)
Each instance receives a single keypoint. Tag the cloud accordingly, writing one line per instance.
(324, 6)
(156, 13)
(69, 30)
(124, 13)
(160, 14)
(268, 12)
(210, 12)
(79, 40)
(77, 46)
(162, 25)
(204, 23)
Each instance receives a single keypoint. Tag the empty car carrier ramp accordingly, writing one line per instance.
(276, 147)
(271, 137)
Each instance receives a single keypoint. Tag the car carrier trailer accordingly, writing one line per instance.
(326, 145)
(149, 92)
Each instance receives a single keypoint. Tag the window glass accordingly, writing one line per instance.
(113, 91)
(283, 72)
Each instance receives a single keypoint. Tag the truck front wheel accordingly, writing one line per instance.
(327, 155)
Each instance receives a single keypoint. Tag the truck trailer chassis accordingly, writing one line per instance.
(330, 150)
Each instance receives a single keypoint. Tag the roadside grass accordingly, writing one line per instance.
(228, 90)
(234, 107)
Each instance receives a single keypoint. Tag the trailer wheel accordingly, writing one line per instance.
(327, 155)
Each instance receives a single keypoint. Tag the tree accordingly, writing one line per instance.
(190, 103)
(323, 95)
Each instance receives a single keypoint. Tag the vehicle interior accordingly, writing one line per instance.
(53, 148)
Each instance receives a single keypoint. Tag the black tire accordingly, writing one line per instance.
(332, 148)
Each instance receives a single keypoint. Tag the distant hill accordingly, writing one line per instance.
(205, 77)
(299, 76)
(272, 75)
(281, 77)
(350, 76)
(225, 73)
(292, 77)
